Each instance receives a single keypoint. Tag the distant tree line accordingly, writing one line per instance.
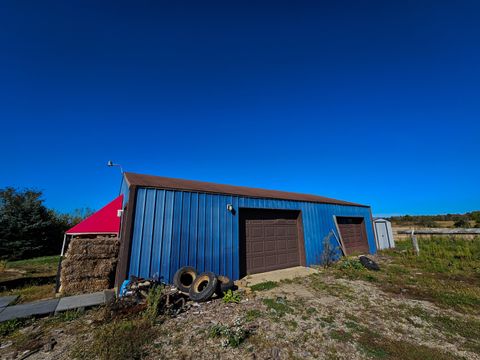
(459, 220)
(28, 228)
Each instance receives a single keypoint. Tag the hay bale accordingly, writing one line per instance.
(94, 247)
(81, 287)
(89, 265)
(82, 257)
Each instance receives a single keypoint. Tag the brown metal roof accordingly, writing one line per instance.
(207, 187)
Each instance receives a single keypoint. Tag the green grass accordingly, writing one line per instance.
(311, 310)
(47, 261)
(353, 325)
(376, 346)
(41, 266)
(9, 327)
(317, 282)
(341, 335)
(469, 329)
(291, 324)
(267, 285)
(253, 314)
(31, 292)
(466, 327)
(441, 255)
(278, 307)
(447, 272)
(68, 315)
(30, 268)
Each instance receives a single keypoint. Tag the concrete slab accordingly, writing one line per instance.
(277, 275)
(81, 301)
(42, 307)
(7, 300)
(109, 295)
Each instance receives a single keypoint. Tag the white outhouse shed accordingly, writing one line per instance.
(384, 234)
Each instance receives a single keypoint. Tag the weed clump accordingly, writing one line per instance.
(231, 297)
(267, 285)
(10, 326)
(69, 315)
(232, 335)
(278, 307)
(349, 263)
(154, 298)
(123, 339)
(252, 315)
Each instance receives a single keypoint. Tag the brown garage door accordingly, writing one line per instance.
(353, 234)
(271, 240)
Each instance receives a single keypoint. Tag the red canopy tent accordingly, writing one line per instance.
(104, 221)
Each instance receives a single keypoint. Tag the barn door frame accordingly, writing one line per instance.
(242, 216)
(364, 228)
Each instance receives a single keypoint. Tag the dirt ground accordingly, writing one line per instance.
(413, 308)
(319, 317)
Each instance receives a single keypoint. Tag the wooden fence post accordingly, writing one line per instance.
(415, 243)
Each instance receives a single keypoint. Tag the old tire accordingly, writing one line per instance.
(224, 284)
(184, 278)
(203, 287)
(369, 263)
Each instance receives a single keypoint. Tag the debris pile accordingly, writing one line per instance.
(137, 294)
(187, 285)
(201, 287)
(89, 265)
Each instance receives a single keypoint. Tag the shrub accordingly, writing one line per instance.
(426, 223)
(153, 302)
(329, 251)
(462, 223)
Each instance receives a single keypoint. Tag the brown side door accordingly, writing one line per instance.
(353, 234)
(272, 240)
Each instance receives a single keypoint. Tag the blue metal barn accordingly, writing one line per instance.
(230, 230)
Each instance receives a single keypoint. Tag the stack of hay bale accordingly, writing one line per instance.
(89, 265)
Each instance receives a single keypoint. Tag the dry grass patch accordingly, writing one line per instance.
(375, 345)
(447, 272)
(120, 339)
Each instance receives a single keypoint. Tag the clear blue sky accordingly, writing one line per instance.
(372, 102)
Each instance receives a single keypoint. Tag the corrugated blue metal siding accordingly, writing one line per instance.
(178, 228)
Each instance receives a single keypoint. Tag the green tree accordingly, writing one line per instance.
(462, 223)
(72, 219)
(475, 215)
(426, 222)
(27, 227)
